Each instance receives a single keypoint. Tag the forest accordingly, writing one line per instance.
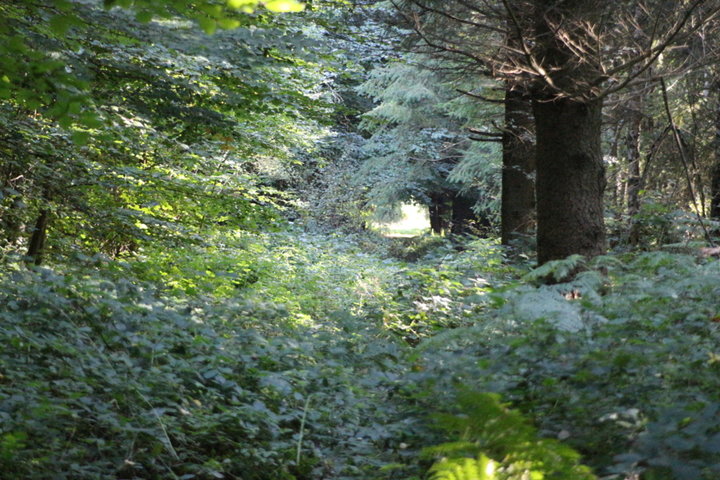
(202, 273)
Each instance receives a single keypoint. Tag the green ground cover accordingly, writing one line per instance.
(298, 355)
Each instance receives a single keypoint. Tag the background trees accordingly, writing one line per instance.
(419, 150)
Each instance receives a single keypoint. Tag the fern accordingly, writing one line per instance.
(558, 270)
(487, 429)
(482, 468)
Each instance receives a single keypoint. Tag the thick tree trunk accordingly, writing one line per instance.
(518, 173)
(36, 246)
(570, 178)
(570, 172)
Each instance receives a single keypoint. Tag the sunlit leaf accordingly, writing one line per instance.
(284, 6)
(208, 25)
(242, 4)
(215, 11)
(228, 23)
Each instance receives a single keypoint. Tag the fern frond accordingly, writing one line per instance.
(488, 427)
(482, 468)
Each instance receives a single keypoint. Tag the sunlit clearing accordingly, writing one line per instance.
(414, 221)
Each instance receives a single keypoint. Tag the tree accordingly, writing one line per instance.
(418, 150)
(715, 170)
(175, 129)
(570, 172)
(518, 170)
(569, 56)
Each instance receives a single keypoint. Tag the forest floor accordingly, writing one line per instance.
(300, 355)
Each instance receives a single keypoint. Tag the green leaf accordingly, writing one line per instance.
(143, 16)
(228, 23)
(245, 5)
(208, 25)
(284, 6)
(60, 24)
(90, 119)
(214, 11)
(80, 138)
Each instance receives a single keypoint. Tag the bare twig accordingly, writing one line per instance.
(480, 97)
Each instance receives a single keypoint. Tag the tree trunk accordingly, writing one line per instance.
(715, 170)
(438, 210)
(518, 172)
(570, 172)
(37, 240)
(634, 179)
(464, 219)
(570, 178)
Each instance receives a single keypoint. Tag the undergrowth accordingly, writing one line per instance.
(294, 355)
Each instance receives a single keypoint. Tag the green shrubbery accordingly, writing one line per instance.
(623, 368)
(293, 355)
(109, 377)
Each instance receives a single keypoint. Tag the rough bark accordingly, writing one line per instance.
(36, 246)
(570, 178)
(518, 172)
(715, 170)
(570, 172)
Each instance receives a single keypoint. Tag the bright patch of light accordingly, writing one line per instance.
(490, 469)
(415, 220)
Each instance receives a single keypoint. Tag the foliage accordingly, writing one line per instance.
(240, 353)
(622, 368)
(418, 149)
(660, 223)
(103, 376)
(327, 199)
(213, 308)
(40, 75)
(184, 131)
(483, 427)
(464, 469)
